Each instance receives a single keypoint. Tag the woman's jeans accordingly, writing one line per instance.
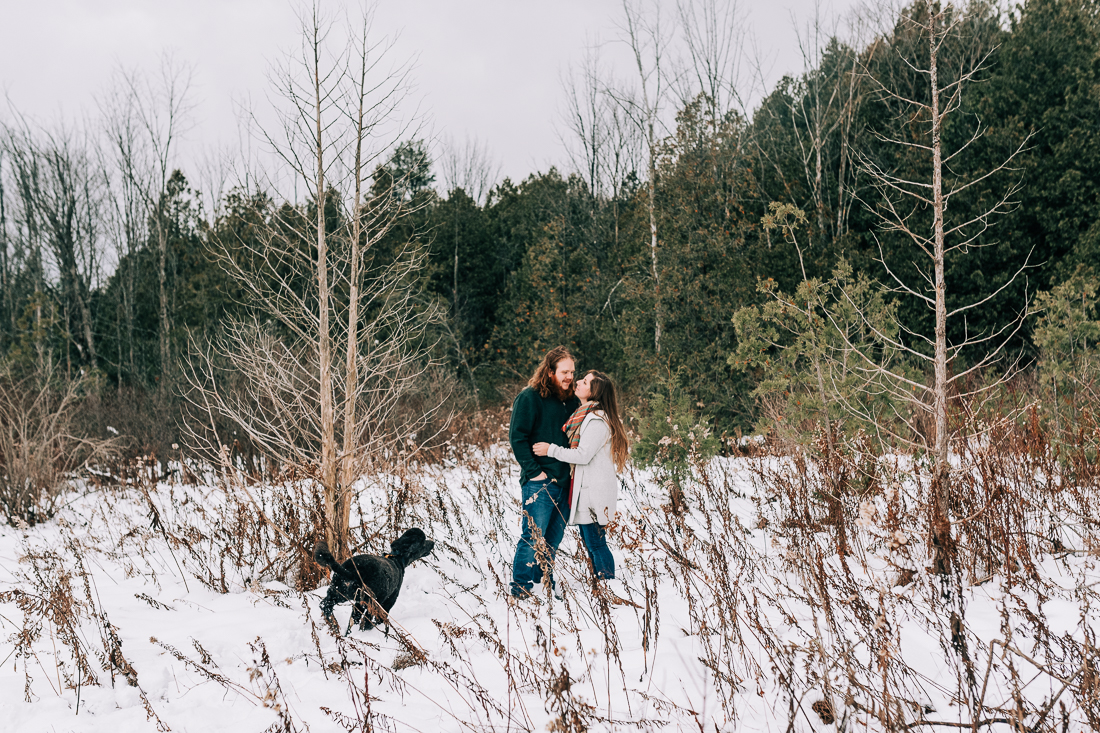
(544, 513)
(595, 541)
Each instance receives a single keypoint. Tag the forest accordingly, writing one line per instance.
(636, 253)
(893, 253)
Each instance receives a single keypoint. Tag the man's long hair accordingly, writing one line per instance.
(543, 379)
(603, 392)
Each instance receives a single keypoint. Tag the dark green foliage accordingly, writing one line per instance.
(1067, 336)
(900, 146)
(673, 431)
(1046, 84)
(406, 174)
(674, 436)
(709, 257)
(198, 292)
(814, 356)
(546, 261)
(559, 238)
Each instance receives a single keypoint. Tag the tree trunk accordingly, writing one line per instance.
(658, 312)
(941, 524)
(128, 309)
(351, 377)
(337, 540)
(77, 289)
(60, 212)
(162, 294)
(7, 286)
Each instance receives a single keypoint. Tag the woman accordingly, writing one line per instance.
(597, 449)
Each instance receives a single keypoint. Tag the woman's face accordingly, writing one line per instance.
(584, 388)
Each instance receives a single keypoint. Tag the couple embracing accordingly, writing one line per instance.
(570, 442)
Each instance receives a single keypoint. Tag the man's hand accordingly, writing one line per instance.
(540, 449)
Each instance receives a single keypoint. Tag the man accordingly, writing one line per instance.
(538, 414)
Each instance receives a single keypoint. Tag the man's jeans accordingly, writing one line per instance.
(595, 540)
(544, 513)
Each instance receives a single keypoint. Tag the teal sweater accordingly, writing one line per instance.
(537, 419)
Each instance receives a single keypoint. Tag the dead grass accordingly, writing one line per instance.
(801, 600)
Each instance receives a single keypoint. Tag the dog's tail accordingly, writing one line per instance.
(322, 556)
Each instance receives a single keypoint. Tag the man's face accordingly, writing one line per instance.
(563, 374)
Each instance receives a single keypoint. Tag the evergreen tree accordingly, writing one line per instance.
(1046, 85)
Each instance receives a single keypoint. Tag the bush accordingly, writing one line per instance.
(674, 436)
(39, 449)
(1067, 335)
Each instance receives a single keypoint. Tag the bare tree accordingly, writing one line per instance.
(22, 235)
(818, 113)
(59, 197)
(7, 258)
(145, 119)
(827, 101)
(644, 103)
(469, 166)
(126, 214)
(587, 135)
(601, 141)
(42, 447)
(869, 363)
(316, 287)
(215, 176)
(715, 36)
(947, 55)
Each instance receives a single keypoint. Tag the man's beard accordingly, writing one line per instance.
(562, 393)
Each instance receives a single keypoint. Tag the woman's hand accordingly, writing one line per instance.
(540, 449)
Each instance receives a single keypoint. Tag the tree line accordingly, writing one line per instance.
(636, 252)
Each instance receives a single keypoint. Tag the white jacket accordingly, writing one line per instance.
(595, 484)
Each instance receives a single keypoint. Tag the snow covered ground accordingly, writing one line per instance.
(114, 619)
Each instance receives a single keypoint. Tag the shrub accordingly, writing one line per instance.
(39, 449)
(1067, 334)
(674, 436)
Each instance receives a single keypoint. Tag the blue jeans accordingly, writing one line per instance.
(544, 513)
(595, 541)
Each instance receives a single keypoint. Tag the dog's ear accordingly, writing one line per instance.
(408, 542)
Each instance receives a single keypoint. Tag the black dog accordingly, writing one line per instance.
(369, 580)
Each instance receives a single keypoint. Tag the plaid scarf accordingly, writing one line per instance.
(572, 426)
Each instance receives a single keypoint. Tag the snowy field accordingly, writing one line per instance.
(169, 607)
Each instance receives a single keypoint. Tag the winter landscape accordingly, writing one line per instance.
(841, 292)
(167, 604)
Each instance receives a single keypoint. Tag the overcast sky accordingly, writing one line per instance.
(486, 69)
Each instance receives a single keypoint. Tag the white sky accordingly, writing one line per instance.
(487, 69)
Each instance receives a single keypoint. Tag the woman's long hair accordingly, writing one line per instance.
(603, 392)
(543, 379)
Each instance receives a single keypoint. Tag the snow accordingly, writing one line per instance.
(717, 596)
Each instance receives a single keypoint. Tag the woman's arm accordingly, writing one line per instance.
(593, 437)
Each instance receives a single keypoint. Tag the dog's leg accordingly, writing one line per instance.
(356, 612)
(363, 609)
(366, 618)
(327, 605)
(360, 610)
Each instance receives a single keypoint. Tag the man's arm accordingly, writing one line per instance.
(522, 427)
